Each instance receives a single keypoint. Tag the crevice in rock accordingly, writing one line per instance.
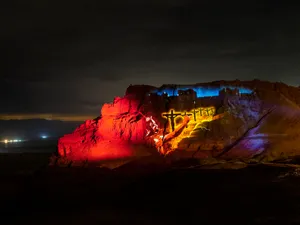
(235, 143)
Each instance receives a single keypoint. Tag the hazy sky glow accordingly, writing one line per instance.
(71, 57)
(66, 118)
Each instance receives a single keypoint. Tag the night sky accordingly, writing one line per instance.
(69, 57)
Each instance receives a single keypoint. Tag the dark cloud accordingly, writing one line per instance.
(71, 56)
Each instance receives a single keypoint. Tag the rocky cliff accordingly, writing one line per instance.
(222, 119)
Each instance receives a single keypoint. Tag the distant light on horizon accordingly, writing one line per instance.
(49, 117)
(44, 136)
(11, 141)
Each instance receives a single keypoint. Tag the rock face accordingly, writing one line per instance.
(227, 119)
(111, 135)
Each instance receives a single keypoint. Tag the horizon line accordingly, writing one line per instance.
(60, 117)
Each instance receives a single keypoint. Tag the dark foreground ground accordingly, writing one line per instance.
(34, 194)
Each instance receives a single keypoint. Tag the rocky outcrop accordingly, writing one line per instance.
(262, 124)
(114, 134)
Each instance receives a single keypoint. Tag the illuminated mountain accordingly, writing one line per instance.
(222, 119)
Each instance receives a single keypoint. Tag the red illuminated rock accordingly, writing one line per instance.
(115, 134)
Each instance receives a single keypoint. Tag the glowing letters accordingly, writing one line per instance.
(198, 115)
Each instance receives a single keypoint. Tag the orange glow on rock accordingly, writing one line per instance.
(197, 115)
(197, 118)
